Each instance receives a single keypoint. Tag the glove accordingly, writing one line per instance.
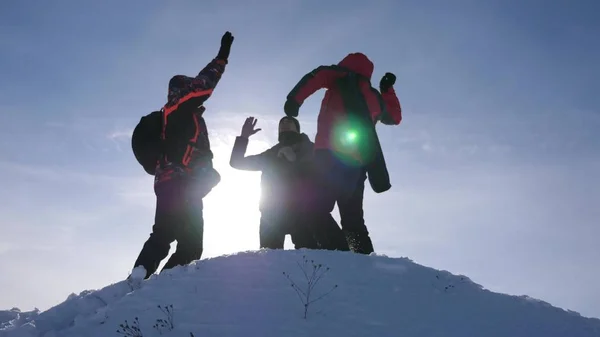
(387, 81)
(226, 42)
(291, 108)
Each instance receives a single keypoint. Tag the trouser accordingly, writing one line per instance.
(353, 219)
(344, 183)
(178, 218)
(276, 224)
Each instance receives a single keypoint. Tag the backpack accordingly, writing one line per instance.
(146, 141)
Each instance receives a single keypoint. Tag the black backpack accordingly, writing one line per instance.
(145, 141)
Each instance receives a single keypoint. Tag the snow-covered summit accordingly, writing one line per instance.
(263, 293)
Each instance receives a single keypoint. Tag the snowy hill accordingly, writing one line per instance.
(248, 294)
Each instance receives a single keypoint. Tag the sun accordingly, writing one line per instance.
(231, 215)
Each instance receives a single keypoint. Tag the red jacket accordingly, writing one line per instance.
(384, 107)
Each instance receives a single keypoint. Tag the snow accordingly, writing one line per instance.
(249, 294)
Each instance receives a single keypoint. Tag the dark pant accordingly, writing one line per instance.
(344, 183)
(276, 224)
(353, 219)
(178, 218)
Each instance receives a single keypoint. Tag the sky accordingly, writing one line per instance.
(495, 167)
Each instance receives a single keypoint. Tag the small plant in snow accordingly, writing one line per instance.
(105, 319)
(450, 285)
(161, 325)
(165, 323)
(313, 274)
(130, 330)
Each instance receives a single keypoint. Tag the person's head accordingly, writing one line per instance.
(289, 130)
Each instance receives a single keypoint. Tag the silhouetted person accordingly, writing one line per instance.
(285, 169)
(183, 172)
(347, 148)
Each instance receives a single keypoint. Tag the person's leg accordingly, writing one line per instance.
(326, 185)
(330, 234)
(301, 234)
(157, 247)
(271, 233)
(353, 221)
(190, 233)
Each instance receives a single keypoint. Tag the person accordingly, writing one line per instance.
(347, 148)
(285, 168)
(184, 173)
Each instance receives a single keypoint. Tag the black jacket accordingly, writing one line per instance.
(283, 182)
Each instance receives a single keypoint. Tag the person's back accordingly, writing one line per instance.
(333, 113)
(186, 146)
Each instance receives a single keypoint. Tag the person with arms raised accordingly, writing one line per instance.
(173, 145)
(347, 148)
(285, 169)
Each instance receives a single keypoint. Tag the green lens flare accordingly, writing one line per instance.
(351, 141)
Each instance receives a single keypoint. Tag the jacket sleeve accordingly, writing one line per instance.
(183, 88)
(392, 111)
(319, 78)
(211, 74)
(239, 161)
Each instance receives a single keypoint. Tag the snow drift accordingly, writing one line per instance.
(263, 293)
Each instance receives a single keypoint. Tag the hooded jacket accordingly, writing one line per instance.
(384, 107)
(284, 169)
(185, 144)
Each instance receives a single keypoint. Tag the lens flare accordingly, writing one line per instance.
(351, 136)
(351, 141)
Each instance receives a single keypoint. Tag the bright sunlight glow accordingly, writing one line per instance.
(231, 215)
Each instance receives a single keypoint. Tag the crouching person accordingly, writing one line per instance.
(183, 169)
(284, 168)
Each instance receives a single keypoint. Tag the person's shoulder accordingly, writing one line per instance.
(305, 148)
(305, 139)
(305, 142)
(271, 153)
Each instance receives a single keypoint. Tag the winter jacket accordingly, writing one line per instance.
(285, 171)
(384, 107)
(186, 146)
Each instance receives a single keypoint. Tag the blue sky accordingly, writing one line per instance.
(495, 168)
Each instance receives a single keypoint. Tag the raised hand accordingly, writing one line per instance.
(291, 108)
(387, 81)
(226, 42)
(227, 39)
(248, 127)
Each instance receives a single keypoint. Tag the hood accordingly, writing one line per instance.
(359, 63)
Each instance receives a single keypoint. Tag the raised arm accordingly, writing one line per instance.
(211, 74)
(198, 89)
(391, 113)
(319, 78)
(238, 160)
